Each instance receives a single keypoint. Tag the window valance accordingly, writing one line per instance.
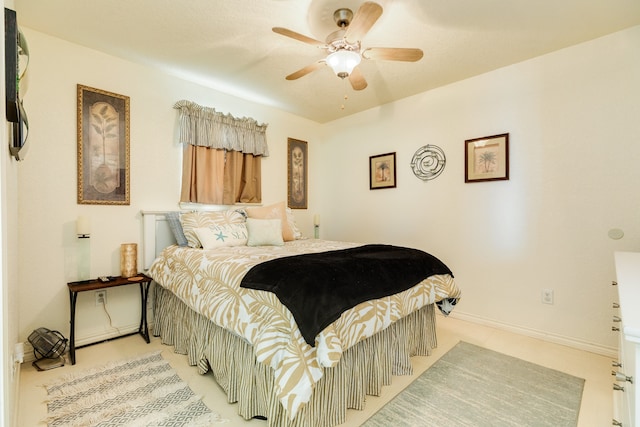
(204, 126)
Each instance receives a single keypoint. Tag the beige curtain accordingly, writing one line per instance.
(202, 175)
(242, 178)
(221, 157)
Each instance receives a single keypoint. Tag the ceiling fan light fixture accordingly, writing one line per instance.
(343, 62)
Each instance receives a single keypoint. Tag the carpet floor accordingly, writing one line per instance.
(142, 391)
(475, 387)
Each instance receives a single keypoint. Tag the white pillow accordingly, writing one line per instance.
(200, 219)
(217, 236)
(264, 232)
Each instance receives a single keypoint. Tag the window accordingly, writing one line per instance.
(221, 157)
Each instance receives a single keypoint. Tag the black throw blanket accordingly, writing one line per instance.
(318, 288)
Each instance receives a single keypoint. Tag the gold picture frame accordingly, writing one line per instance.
(297, 162)
(382, 171)
(487, 158)
(103, 147)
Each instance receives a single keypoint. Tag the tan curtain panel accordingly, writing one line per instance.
(202, 175)
(242, 178)
(221, 157)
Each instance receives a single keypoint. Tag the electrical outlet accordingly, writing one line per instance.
(547, 296)
(18, 352)
(101, 297)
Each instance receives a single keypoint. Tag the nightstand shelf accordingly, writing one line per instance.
(94, 285)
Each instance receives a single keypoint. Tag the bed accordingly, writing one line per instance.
(251, 341)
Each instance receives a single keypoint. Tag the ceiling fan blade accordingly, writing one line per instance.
(357, 79)
(393, 54)
(363, 20)
(298, 36)
(306, 70)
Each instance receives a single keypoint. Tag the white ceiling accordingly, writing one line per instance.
(229, 45)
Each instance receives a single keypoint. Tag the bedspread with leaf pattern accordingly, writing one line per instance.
(208, 281)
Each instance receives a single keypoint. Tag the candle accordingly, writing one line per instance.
(316, 219)
(128, 259)
(83, 227)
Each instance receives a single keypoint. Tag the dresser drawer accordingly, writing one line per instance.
(626, 396)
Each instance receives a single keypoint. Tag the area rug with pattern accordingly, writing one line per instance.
(141, 391)
(473, 386)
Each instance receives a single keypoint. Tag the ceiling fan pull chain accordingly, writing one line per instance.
(344, 85)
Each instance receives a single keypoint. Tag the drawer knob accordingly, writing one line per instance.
(621, 377)
(616, 305)
(614, 283)
(615, 422)
(615, 328)
(617, 387)
(617, 319)
(616, 364)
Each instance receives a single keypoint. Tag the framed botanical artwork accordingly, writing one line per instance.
(382, 171)
(487, 158)
(103, 147)
(297, 162)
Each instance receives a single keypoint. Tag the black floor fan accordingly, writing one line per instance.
(48, 348)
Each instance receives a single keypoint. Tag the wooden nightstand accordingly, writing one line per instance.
(94, 285)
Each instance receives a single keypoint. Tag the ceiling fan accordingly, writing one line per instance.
(344, 46)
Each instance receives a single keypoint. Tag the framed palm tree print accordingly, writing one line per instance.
(382, 171)
(487, 158)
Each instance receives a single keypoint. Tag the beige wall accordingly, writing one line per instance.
(49, 251)
(573, 119)
(570, 115)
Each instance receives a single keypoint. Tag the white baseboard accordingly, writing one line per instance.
(89, 339)
(541, 335)
(16, 391)
(456, 314)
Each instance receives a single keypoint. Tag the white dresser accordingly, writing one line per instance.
(626, 400)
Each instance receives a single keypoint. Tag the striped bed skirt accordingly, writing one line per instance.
(363, 369)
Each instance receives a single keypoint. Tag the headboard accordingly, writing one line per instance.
(156, 235)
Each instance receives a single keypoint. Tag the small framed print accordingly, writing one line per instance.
(382, 171)
(487, 158)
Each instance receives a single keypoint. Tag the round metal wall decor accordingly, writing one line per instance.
(428, 162)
